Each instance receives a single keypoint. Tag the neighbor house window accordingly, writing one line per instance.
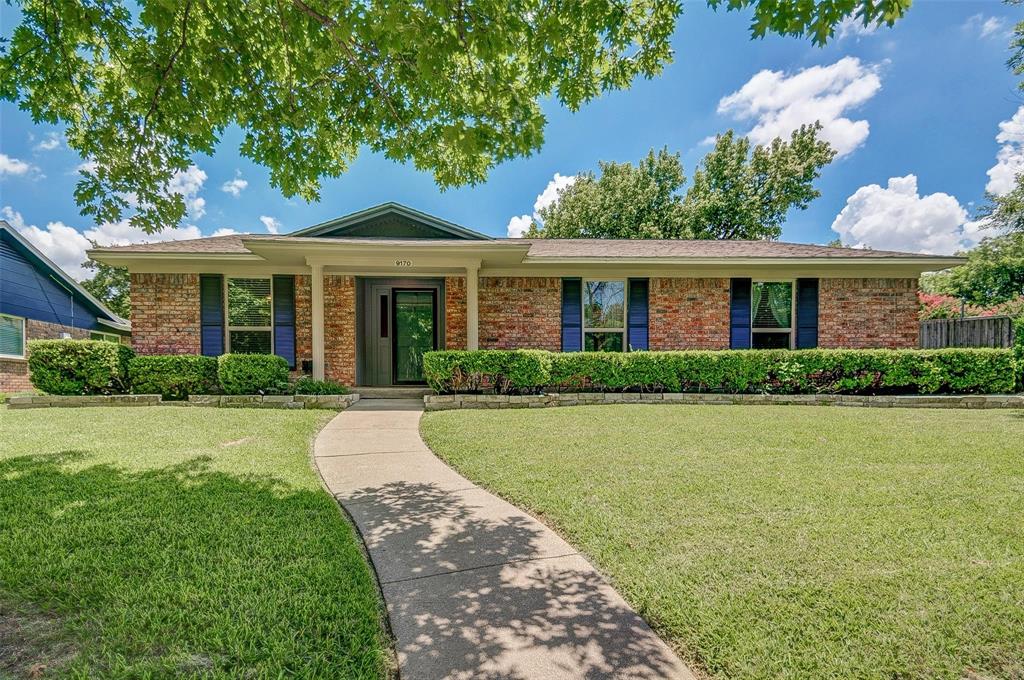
(249, 319)
(12, 337)
(105, 337)
(771, 314)
(604, 316)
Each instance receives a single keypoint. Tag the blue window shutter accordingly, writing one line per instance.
(284, 318)
(572, 315)
(806, 313)
(739, 314)
(211, 314)
(637, 322)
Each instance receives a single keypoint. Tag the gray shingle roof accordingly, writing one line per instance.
(557, 248)
(212, 244)
(544, 248)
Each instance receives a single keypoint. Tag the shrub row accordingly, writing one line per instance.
(1018, 350)
(957, 371)
(68, 367)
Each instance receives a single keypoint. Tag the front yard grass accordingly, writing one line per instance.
(165, 542)
(782, 541)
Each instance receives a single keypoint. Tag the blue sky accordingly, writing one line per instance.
(920, 104)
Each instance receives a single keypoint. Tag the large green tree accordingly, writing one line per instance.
(625, 201)
(110, 285)
(1005, 212)
(737, 192)
(994, 273)
(453, 86)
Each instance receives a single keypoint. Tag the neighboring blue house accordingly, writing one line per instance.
(39, 300)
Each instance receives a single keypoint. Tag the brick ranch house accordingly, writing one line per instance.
(360, 298)
(40, 301)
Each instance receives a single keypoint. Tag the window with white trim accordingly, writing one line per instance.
(771, 314)
(249, 305)
(12, 337)
(105, 337)
(604, 315)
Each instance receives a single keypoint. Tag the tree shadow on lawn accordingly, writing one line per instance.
(184, 570)
(476, 591)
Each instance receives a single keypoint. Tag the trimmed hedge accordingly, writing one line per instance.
(78, 366)
(252, 373)
(307, 385)
(957, 371)
(174, 376)
(1018, 350)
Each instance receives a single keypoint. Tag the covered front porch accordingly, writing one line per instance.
(379, 304)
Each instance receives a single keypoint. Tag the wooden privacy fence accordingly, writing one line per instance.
(972, 331)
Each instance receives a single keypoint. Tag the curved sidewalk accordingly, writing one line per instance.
(475, 588)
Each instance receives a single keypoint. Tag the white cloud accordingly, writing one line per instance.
(225, 232)
(189, 183)
(551, 191)
(986, 27)
(234, 186)
(854, 26)
(272, 225)
(898, 218)
(1010, 157)
(66, 245)
(12, 166)
(51, 141)
(518, 225)
(780, 103)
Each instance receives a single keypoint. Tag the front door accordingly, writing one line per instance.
(401, 321)
(414, 316)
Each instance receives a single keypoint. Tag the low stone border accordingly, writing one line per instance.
(447, 402)
(338, 402)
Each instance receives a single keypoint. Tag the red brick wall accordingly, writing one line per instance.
(520, 313)
(165, 313)
(455, 312)
(14, 374)
(866, 313)
(340, 329)
(688, 314)
(303, 320)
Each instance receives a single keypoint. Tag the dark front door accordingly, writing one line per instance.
(414, 317)
(400, 320)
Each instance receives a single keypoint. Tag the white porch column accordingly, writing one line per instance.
(472, 314)
(317, 285)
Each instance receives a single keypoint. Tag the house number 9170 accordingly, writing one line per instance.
(403, 263)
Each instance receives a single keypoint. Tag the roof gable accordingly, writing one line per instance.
(393, 221)
(35, 288)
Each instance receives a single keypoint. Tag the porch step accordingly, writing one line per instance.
(392, 392)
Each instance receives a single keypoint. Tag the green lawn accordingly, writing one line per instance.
(158, 542)
(782, 541)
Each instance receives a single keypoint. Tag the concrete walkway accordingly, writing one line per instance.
(475, 588)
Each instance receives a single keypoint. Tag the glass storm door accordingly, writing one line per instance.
(415, 332)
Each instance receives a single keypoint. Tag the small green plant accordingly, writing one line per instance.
(174, 376)
(70, 367)
(307, 385)
(252, 373)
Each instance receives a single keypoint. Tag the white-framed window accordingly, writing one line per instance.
(249, 303)
(12, 337)
(772, 314)
(604, 315)
(105, 337)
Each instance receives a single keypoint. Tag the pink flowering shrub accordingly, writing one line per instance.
(939, 306)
